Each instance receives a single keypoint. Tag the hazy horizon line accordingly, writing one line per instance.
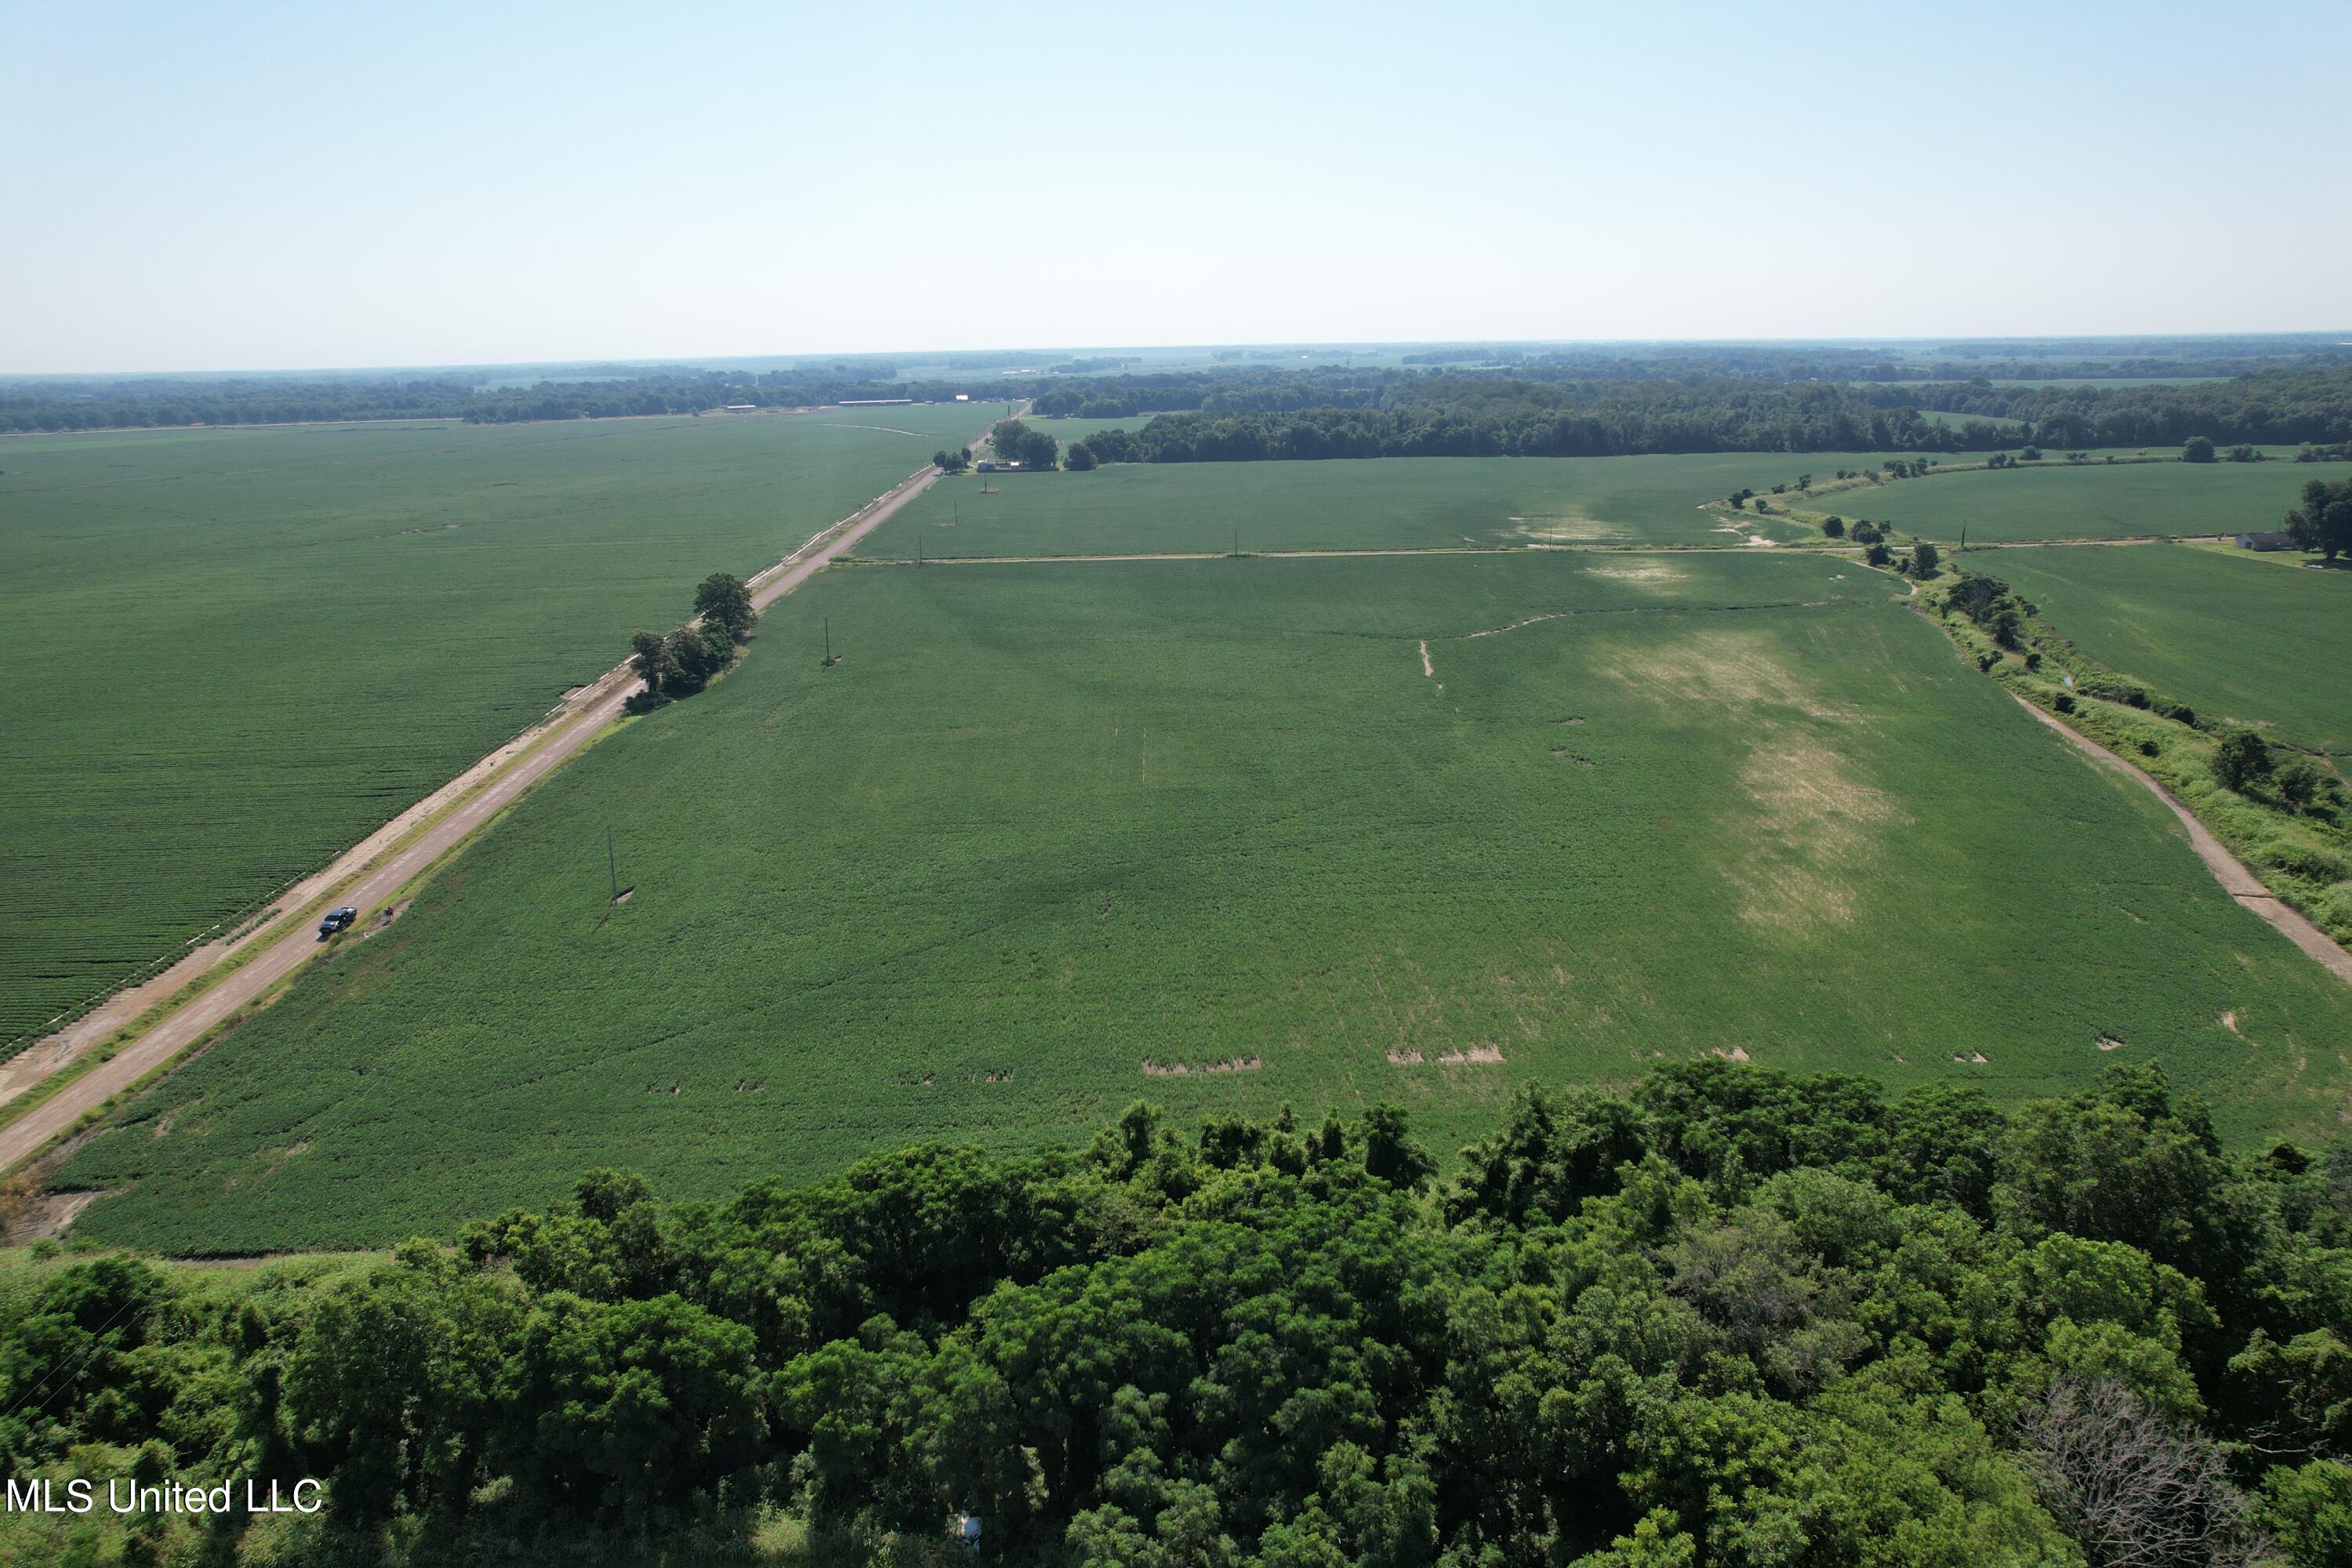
(927, 355)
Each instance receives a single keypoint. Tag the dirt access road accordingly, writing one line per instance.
(367, 876)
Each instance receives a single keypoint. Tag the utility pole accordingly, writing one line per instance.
(611, 863)
(828, 640)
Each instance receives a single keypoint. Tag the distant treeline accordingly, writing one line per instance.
(1244, 415)
(2271, 407)
(1675, 400)
(246, 400)
(1603, 422)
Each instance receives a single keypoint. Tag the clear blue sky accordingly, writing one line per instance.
(237, 186)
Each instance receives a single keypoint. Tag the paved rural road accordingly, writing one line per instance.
(2236, 879)
(365, 878)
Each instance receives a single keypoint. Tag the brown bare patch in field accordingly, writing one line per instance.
(1815, 835)
(1404, 1059)
(1813, 829)
(2109, 1043)
(2229, 1020)
(1735, 1054)
(1735, 669)
(1651, 573)
(1482, 1055)
(28, 1215)
(1154, 1067)
(1564, 530)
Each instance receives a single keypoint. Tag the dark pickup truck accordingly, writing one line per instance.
(337, 920)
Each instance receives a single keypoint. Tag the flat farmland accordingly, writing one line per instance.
(1303, 829)
(2057, 500)
(2230, 635)
(1384, 503)
(1069, 430)
(238, 651)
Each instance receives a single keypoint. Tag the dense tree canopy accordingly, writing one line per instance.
(1555, 402)
(1014, 441)
(1739, 1318)
(2324, 521)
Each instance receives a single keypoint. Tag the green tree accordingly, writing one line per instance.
(2308, 1511)
(2323, 524)
(2121, 1162)
(2241, 760)
(1081, 458)
(391, 1392)
(1924, 559)
(1390, 1152)
(722, 598)
(630, 1410)
(650, 656)
(2197, 450)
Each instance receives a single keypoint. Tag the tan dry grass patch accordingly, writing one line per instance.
(1647, 573)
(1816, 833)
(1815, 828)
(1561, 530)
(1726, 667)
(1153, 1068)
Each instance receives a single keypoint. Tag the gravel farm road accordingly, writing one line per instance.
(364, 877)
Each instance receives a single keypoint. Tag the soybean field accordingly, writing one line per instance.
(1229, 833)
(237, 651)
(2234, 636)
(1385, 503)
(2053, 499)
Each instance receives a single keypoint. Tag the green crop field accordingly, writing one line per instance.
(1069, 430)
(1395, 503)
(2229, 634)
(1300, 828)
(237, 651)
(2057, 499)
